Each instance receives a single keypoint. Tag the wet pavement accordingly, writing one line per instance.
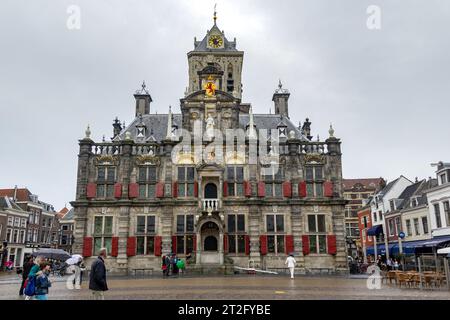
(231, 288)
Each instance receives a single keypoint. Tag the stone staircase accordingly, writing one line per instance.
(210, 269)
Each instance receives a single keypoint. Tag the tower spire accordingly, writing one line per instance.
(169, 124)
(215, 13)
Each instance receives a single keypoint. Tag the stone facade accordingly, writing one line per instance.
(148, 193)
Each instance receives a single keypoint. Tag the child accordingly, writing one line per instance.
(42, 281)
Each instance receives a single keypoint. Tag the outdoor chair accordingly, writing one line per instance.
(403, 278)
(391, 275)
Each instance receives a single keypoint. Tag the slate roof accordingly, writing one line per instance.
(202, 45)
(69, 215)
(406, 195)
(6, 203)
(157, 124)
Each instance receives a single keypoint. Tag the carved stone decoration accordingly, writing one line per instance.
(314, 158)
(106, 160)
(146, 159)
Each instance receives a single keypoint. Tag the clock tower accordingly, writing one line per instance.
(216, 52)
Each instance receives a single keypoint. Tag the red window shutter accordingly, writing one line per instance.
(133, 190)
(91, 190)
(118, 190)
(160, 190)
(195, 242)
(302, 189)
(247, 245)
(196, 189)
(225, 189)
(328, 188)
(247, 188)
(287, 189)
(115, 247)
(174, 244)
(289, 240)
(87, 246)
(158, 243)
(263, 244)
(305, 241)
(131, 246)
(225, 243)
(261, 189)
(175, 190)
(331, 240)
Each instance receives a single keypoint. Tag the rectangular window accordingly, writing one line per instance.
(437, 213)
(408, 227)
(274, 182)
(447, 212)
(145, 230)
(236, 233)
(106, 177)
(397, 225)
(416, 226)
(147, 179)
(275, 244)
(317, 230)
(314, 181)
(375, 216)
(186, 181)
(103, 230)
(235, 180)
(425, 225)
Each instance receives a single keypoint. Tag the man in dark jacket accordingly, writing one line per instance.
(97, 277)
(25, 272)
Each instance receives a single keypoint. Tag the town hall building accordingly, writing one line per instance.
(177, 183)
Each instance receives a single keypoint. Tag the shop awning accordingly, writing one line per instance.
(381, 249)
(436, 242)
(376, 230)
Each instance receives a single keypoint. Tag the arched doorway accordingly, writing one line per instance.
(210, 236)
(210, 191)
(210, 243)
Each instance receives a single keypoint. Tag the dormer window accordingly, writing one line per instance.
(392, 204)
(414, 202)
(443, 178)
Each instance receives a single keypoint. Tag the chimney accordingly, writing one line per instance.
(143, 100)
(117, 128)
(15, 193)
(280, 99)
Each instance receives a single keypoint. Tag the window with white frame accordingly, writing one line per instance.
(314, 181)
(235, 181)
(391, 227)
(15, 236)
(106, 178)
(273, 180)
(37, 215)
(16, 222)
(397, 225)
(275, 233)
(145, 234)
(352, 229)
(23, 223)
(375, 216)
(425, 225)
(103, 231)
(147, 180)
(408, 227)
(8, 235)
(35, 235)
(22, 236)
(443, 178)
(416, 226)
(317, 233)
(236, 233)
(186, 181)
(185, 234)
(447, 212)
(437, 213)
(10, 221)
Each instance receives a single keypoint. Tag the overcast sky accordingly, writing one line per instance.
(386, 91)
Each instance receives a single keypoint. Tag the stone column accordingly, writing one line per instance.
(254, 223)
(341, 262)
(166, 230)
(297, 232)
(80, 228)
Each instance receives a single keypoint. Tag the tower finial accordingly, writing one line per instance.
(280, 85)
(215, 13)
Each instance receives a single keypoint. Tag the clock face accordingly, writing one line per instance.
(215, 41)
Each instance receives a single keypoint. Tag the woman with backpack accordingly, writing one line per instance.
(31, 280)
(42, 281)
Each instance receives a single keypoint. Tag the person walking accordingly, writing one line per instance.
(42, 281)
(25, 272)
(31, 280)
(290, 261)
(97, 277)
